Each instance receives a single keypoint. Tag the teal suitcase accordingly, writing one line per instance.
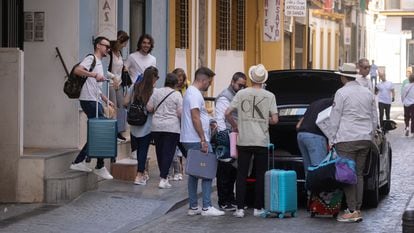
(280, 190)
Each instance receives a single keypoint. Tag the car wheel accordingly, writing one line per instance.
(385, 190)
(372, 196)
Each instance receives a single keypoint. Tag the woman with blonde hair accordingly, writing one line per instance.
(141, 134)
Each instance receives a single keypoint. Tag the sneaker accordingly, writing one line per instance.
(164, 184)
(146, 176)
(178, 177)
(140, 180)
(103, 173)
(80, 167)
(239, 213)
(194, 211)
(134, 154)
(121, 138)
(259, 213)
(407, 132)
(227, 207)
(349, 216)
(211, 211)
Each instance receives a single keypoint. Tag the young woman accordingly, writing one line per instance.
(141, 135)
(116, 88)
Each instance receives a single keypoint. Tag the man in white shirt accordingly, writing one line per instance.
(138, 61)
(195, 134)
(386, 95)
(90, 94)
(226, 172)
(353, 125)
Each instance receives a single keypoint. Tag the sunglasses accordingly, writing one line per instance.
(241, 86)
(107, 46)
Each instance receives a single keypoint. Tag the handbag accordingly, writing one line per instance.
(126, 79)
(233, 144)
(200, 164)
(331, 173)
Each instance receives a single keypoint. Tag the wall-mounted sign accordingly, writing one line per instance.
(272, 20)
(34, 26)
(295, 8)
(107, 18)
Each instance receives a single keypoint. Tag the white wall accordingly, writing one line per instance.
(51, 119)
(227, 63)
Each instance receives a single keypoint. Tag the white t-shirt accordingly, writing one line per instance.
(385, 92)
(117, 64)
(193, 99)
(137, 63)
(166, 119)
(91, 90)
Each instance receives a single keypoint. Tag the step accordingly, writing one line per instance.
(68, 185)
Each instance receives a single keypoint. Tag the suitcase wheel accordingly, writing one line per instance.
(281, 215)
(113, 160)
(88, 159)
(293, 214)
(335, 215)
(313, 214)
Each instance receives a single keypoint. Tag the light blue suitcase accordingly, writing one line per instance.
(102, 137)
(280, 190)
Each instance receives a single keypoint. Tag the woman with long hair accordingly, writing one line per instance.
(183, 82)
(141, 134)
(117, 88)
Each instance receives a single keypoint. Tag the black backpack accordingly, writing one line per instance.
(73, 85)
(137, 113)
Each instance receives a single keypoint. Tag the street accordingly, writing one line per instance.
(384, 219)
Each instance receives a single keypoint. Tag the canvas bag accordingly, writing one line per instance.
(200, 164)
(73, 85)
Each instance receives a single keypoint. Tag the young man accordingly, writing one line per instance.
(226, 172)
(353, 125)
(373, 72)
(195, 134)
(88, 98)
(386, 95)
(138, 61)
(256, 109)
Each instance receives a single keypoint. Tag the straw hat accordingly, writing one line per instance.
(348, 70)
(258, 73)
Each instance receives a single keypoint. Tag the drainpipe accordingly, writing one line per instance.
(257, 44)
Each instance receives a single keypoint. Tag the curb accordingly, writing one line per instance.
(408, 216)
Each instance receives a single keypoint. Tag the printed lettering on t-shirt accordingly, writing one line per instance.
(248, 106)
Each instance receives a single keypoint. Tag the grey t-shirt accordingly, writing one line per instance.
(254, 107)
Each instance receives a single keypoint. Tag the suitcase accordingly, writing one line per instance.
(325, 203)
(280, 190)
(102, 137)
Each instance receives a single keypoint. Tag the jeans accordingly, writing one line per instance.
(193, 182)
(409, 115)
(89, 108)
(313, 148)
(141, 145)
(384, 108)
(260, 167)
(165, 144)
(357, 151)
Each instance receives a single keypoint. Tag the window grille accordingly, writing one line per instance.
(230, 24)
(181, 24)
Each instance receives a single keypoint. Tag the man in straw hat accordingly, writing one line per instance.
(256, 109)
(353, 125)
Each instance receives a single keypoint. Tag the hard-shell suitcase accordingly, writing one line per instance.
(325, 203)
(102, 134)
(280, 190)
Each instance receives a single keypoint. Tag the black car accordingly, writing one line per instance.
(294, 91)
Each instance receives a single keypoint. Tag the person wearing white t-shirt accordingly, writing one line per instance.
(386, 95)
(195, 131)
(90, 94)
(138, 61)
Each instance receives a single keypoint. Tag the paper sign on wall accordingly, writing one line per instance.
(272, 20)
(107, 19)
(295, 8)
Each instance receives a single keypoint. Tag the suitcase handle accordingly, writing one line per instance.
(97, 97)
(271, 147)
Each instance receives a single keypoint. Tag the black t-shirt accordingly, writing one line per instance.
(308, 124)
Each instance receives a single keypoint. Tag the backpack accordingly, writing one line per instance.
(137, 113)
(220, 142)
(73, 85)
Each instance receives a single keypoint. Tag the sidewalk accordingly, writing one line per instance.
(116, 206)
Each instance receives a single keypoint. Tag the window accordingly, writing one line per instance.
(230, 20)
(392, 4)
(181, 24)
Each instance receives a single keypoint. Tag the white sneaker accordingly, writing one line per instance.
(102, 172)
(239, 213)
(134, 154)
(80, 167)
(164, 184)
(140, 180)
(146, 176)
(211, 211)
(259, 213)
(178, 176)
(194, 211)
